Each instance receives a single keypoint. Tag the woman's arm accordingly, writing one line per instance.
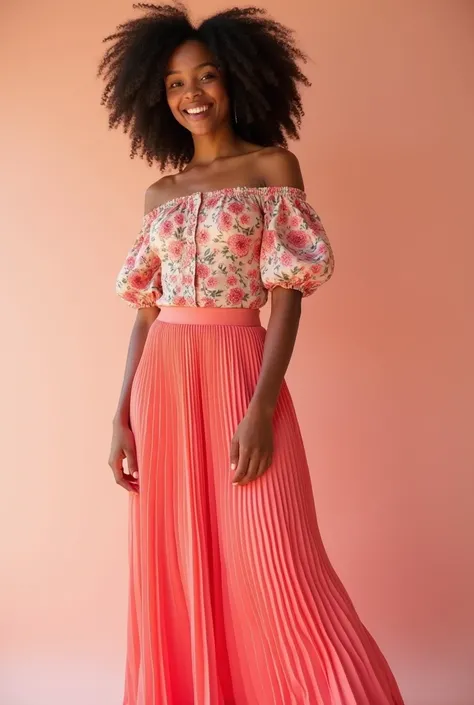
(252, 445)
(145, 318)
(279, 343)
(123, 443)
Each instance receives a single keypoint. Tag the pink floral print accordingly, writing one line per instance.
(226, 248)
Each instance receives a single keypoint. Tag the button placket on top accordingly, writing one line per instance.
(193, 228)
(187, 267)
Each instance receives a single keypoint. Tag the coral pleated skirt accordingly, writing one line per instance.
(233, 600)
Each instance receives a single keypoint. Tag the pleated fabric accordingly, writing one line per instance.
(233, 600)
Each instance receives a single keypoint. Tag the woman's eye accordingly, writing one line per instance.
(175, 84)
(208, 76)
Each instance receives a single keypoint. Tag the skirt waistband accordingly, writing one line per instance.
(209, 316)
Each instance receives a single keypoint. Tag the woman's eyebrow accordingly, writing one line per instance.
(196, 68)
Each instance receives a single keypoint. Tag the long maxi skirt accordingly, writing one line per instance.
(233, 600)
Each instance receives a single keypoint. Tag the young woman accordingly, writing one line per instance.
(233, 600)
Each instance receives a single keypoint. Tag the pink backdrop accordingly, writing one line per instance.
(387, 153)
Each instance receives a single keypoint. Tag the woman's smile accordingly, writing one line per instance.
(198, 111)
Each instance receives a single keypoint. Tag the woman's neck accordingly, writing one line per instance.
(209, 148)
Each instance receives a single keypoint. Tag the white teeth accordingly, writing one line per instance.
(196, 111)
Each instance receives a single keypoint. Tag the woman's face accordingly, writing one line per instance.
(195, 89)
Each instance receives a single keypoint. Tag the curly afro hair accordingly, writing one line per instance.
(257, 55)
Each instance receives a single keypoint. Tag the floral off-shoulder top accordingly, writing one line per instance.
(226, 248)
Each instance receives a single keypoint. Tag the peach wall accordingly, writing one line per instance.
(387, 152)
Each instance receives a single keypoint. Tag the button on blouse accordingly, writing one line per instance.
(226, 248)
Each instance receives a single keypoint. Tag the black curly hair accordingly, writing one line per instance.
(259, 59)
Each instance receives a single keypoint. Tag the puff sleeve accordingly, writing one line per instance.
(139, 280)
(295, 252)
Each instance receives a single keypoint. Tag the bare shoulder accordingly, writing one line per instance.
(158, 193)
(280, 167)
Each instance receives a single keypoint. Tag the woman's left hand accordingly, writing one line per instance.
(252, 447)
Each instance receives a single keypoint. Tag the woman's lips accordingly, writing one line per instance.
(199, 112)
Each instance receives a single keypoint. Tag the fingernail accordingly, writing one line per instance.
(233, 466)
(135, 475)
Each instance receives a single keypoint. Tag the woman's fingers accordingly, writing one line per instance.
(132, 465)
(115, 462)
(121, 478)
(125, 480)
(265, 463)
(252, 468)
(242, 466)
(130, 479)
(234, 454)
(257, 465)
(128, 485)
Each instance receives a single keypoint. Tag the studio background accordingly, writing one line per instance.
(381, 377)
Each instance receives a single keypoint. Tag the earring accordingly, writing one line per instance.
(235, 114)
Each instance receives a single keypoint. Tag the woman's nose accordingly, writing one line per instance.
(193, 90)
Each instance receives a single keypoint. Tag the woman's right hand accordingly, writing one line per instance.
(123, 447)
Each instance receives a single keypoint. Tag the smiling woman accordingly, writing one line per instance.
(196, 92)
(233, 600)
(237, 41)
